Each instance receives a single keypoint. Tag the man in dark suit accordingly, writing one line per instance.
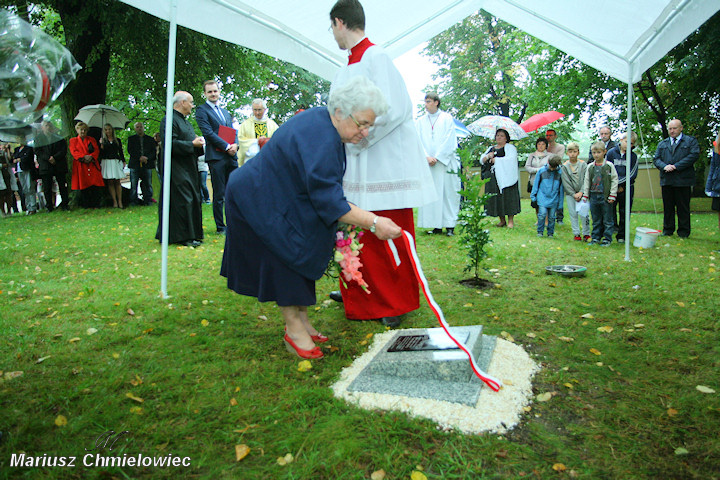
(220, 155)
(50, 150)
(605, 134)
(675, 157)
(142, 152)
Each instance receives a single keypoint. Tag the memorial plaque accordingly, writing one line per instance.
(434, 340)
(426, 363)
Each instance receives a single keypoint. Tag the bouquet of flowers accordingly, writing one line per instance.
(347, 250)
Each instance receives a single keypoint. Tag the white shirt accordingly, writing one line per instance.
(388, 170)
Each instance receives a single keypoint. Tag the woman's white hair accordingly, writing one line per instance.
(357, 95)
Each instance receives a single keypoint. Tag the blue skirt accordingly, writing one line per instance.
(252, 269)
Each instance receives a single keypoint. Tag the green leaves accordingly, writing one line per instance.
(472, 219)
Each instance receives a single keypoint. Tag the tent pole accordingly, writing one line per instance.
(167, 146)
(628, 156)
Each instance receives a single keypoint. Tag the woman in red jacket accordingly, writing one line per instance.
(86, 172)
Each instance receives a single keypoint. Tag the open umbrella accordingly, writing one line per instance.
(540, 120)
(461, 130)
(99, 115)
(488, 125)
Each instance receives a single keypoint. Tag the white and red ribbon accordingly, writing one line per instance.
(489, 380)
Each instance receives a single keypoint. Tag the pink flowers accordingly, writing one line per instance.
(347, 249)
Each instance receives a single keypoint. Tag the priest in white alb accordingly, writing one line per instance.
(437, 132)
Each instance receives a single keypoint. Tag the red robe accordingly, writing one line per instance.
(85, 175)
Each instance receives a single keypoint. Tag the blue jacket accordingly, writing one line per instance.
(617, 158)
(712, 187)
(291, 194)
(547, 189)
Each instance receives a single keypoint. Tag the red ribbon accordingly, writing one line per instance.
(407, 238)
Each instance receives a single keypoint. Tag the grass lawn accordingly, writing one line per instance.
(206, 370)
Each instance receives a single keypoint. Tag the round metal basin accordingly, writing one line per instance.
(566, 270)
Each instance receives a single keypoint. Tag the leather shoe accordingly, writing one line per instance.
(190, 243)
(292, 348)
(450, 232)
(391, 322)
(434, 231)
(336, 295)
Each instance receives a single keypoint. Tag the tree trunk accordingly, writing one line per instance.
(86, 40)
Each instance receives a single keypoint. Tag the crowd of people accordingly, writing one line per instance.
(361, 160)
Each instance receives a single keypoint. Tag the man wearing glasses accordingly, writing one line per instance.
(386, 173)
(185, 200)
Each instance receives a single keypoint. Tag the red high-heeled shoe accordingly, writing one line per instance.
(319, 338)
(291, 347)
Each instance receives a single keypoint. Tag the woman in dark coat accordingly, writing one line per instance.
(283, 207)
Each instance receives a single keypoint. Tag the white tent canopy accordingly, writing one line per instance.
(605, 34)
(619, 37)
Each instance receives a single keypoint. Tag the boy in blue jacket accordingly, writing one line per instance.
(547, 194)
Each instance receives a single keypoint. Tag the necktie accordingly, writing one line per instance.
(219, 114)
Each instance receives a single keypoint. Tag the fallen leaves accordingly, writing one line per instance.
(304, 366)
(11, 375)
(61, 420)
(566, 339)
(130, 312)
(543, 397)
(671, 412)
(595, 351)
(241, 451)
(204, 323)
(507, 336)
(704, 389)
(133, 397)
(416, 475)
(559, 467)
(378, 475)
(605, 329)
(42, 359)
(587, 315)
(74, 340)
(136, 410)
(287, 459)
(233, 402)
(91, 331)
(681, 451)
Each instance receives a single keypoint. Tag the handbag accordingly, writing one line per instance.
(485, 171)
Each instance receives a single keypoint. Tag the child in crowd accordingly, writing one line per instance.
(547, 194)
(616, 156)
(536, 161)
(573, 176)
(600, 187)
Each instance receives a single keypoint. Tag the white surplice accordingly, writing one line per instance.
(388, 169)
(438, 137)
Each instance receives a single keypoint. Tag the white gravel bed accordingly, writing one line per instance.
(495, 411)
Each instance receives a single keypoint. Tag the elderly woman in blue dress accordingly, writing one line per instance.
(283, 207)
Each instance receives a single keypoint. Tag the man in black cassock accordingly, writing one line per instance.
(185, 199)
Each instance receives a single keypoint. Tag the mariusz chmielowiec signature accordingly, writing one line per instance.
(106, 440)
